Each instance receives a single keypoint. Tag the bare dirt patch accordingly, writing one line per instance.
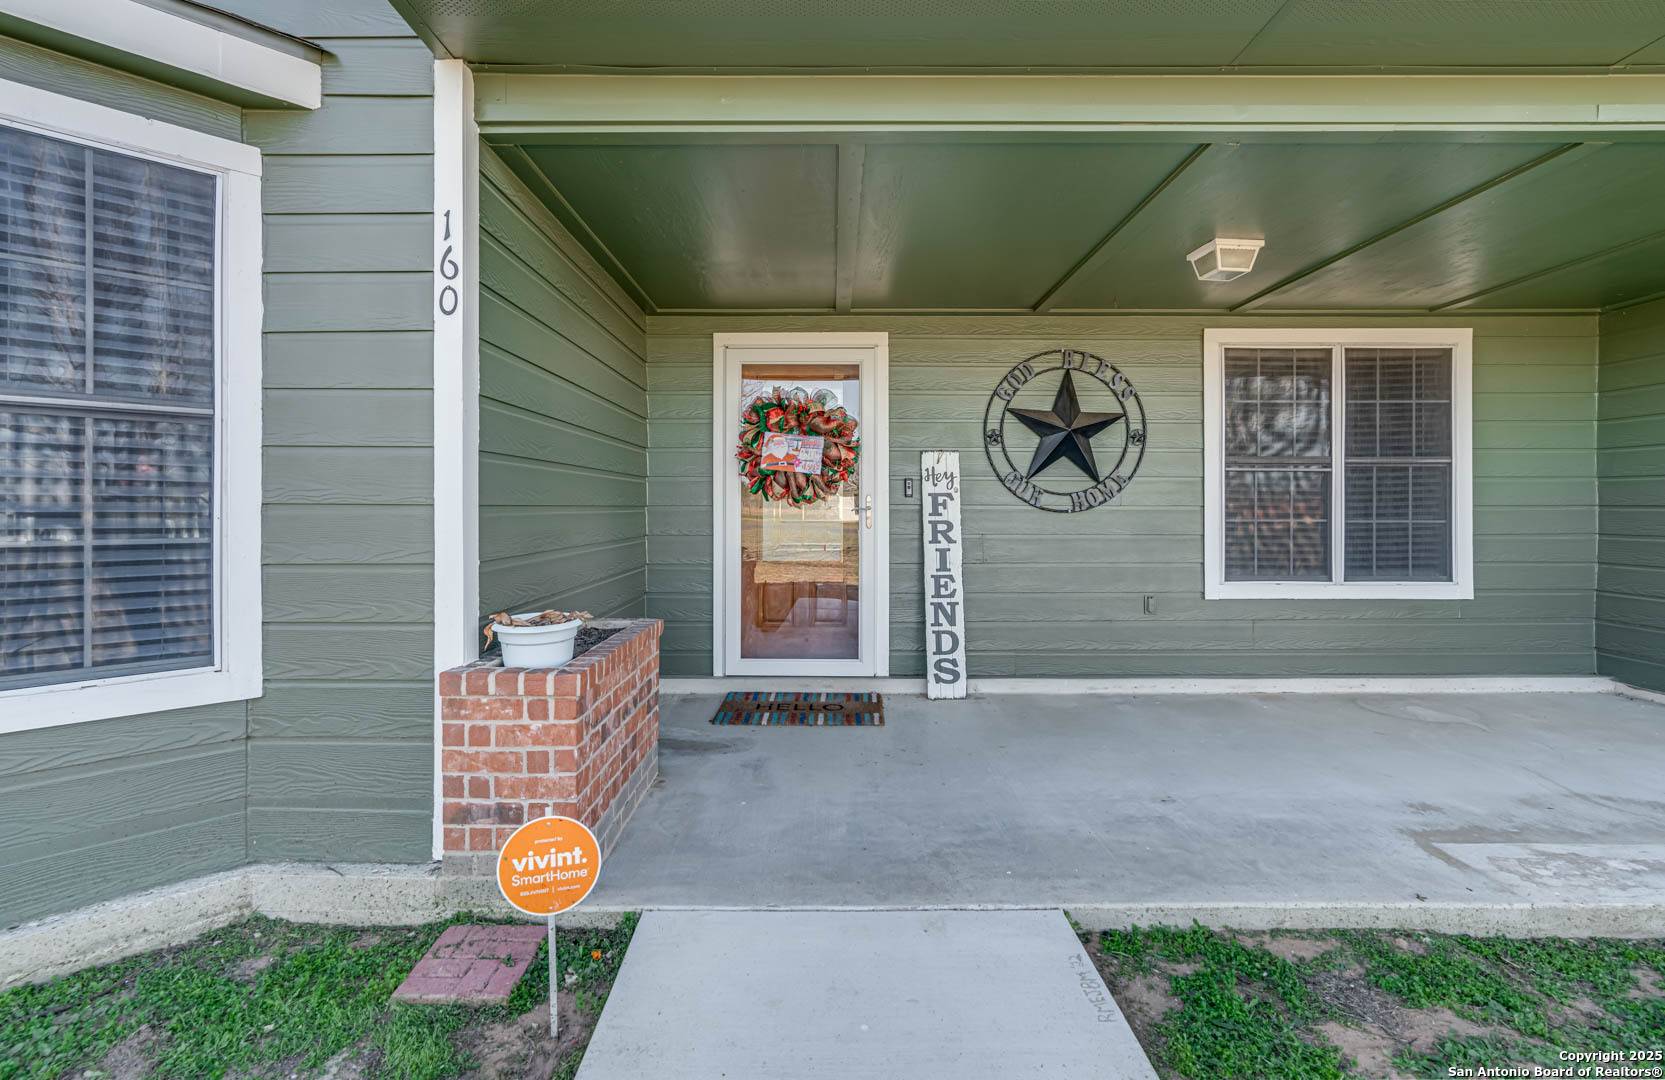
(132, 1058)
(1422, 1029)
(519, 1049)
(354, 1063)
(1649, 984)
(1411, 945)
(1370, 1048)
(1288, 946)
(1347, 993)
(1148, 996)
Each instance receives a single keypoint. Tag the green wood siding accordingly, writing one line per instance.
(563, 416)
(340, 753)
(1062, 595)
(1630, 597)
(145, 799)
(335, 760)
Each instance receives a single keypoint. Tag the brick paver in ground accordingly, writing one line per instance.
(472, 964)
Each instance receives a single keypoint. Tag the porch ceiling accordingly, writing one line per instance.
(1095, 223)
(786, 35)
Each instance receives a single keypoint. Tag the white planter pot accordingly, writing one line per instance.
(537, 646)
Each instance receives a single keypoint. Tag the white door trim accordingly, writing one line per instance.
(875, 480)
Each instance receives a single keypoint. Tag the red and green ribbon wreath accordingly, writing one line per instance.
(795, 414)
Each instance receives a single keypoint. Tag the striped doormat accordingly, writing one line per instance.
(760, 707)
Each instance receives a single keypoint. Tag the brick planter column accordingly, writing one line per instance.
(581, 740)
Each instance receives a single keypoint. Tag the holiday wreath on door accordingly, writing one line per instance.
(796, 447)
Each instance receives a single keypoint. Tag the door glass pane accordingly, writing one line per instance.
(800, 561)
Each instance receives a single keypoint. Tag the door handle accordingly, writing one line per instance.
(870, 511)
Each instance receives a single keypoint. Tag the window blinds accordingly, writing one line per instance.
(107, 396)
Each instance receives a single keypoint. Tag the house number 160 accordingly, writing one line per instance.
(449, 270)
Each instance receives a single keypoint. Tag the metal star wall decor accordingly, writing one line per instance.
(1065, 431)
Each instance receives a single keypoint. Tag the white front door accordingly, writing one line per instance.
(800, 582)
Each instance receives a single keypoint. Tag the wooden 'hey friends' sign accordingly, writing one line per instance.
(945, 674)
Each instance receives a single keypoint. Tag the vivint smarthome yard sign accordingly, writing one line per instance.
(548, 865)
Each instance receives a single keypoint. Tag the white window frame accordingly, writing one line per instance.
(236, 673)
(1460, 340)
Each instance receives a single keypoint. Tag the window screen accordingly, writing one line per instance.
(107, 397)
(1278, 464)
(1398, 475)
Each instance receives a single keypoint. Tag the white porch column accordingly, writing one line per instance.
(456, 383)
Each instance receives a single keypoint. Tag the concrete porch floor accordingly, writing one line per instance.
(1192, 803)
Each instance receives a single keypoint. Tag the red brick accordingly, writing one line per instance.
(481, 840)
(487, 708)
(450, 683)
(479, 735)
(456, 839)
(537, 708)
(566, 684)
(468, 813)
(483, 761)
(564, 708)
(535, 734)
(565, 761)
(537, 761)
(509, 813)
(535, 787)
(479, 787)
(507, 681)
(478, 682)
(452, 787)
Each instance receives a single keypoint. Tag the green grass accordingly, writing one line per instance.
(1244, 1012)
(270, 997)
(1244, 1008)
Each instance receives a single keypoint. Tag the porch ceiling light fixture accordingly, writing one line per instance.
(1225, 260)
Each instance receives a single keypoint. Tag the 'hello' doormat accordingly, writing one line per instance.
(787, 708)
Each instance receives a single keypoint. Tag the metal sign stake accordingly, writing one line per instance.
(554, 1005)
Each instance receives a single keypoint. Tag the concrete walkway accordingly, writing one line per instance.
(817, 995)
(1177, 804)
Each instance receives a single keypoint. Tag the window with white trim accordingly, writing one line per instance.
(129, 413)
(1337, 464)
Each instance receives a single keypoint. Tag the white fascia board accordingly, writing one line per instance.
(161, 37)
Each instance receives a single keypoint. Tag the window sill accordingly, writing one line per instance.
(34, 707)
(1327, 590)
